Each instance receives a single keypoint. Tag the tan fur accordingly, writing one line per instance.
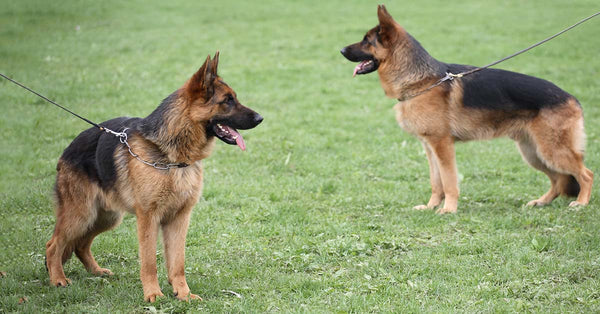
(550, 140)
(160, 199)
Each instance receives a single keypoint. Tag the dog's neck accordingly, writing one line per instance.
(409, 69)
(183, 140)
(177, 137)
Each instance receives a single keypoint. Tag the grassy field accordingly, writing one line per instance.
(316, 216)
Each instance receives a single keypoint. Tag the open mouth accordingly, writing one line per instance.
(229, 135)
(366, 66)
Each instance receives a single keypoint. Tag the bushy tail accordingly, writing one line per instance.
(67, 254)
(569, 187)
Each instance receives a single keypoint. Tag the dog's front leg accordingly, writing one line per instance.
(437, 189)
(443, 151)
(147, 230)
(174, 233)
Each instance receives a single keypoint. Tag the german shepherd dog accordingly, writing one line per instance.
(545, 121)
(98, 178)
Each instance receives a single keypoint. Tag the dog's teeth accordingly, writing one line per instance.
(224, 130)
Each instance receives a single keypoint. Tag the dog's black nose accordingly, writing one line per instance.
(257, 118)
(343, 51)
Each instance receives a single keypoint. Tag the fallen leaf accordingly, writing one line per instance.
(237, 295)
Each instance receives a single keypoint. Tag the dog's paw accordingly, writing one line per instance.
(536, 203)
(102, 272)
(421, 207)
(576, 204)
(444, 210)
(188, 297)
(151, 297)
(61, 282)
(183, 293)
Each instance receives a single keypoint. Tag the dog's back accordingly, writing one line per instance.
(92, 152)
(496, 89)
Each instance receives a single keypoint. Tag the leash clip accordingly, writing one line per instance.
(121, 135)
(450, 76)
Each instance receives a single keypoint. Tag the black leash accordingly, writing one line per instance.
(450, 76)
(122, 136)
(52, 102)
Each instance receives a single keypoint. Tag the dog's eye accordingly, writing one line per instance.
(229, 100)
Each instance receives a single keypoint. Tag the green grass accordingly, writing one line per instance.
(316, 216)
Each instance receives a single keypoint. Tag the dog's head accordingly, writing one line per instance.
(212, 103)
(377, 45)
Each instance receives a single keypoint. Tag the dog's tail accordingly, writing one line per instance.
(569, 186)
(68, 252)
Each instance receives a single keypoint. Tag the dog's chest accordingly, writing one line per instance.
(181, 188)
(404, 120)
(164, 191)
(187, 183)
(177, 188)
(418, 119)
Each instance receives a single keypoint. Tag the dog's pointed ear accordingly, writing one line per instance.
(388, 28)
(383, 15)
(215, 64)
(201, 83)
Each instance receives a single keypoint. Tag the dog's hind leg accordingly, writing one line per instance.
(75, 214)
(529, 154)
(571, 163)
(437, 189)
(105, 220)
(54, 251)
(559, 142)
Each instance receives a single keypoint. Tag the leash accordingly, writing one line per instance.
(450, 76)
(122, 136)
(52, 102)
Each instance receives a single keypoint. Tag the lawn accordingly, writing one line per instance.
(316, 215)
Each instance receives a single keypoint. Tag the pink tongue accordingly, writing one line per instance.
(239, 140)
(358, 67)
(356, 70)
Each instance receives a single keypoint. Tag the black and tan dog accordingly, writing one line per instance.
(545, 121)
(98, 179)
